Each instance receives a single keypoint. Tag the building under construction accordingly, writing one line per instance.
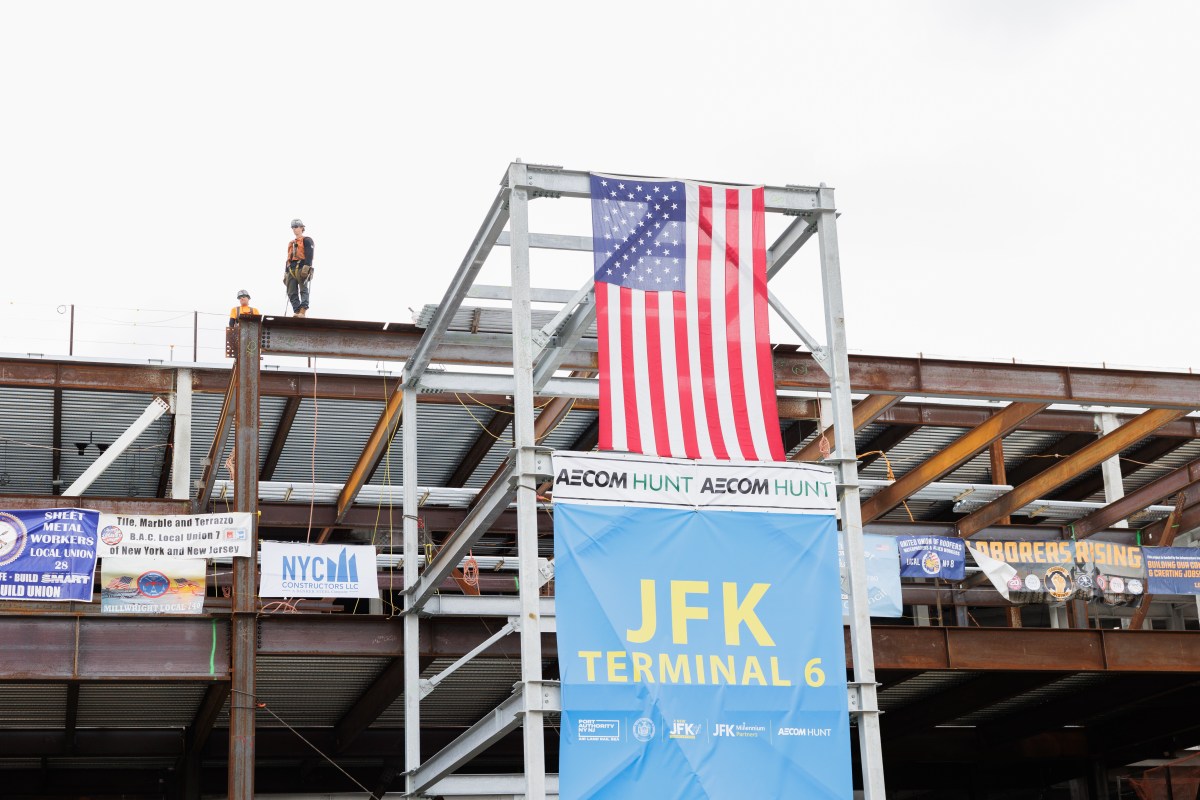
(446, 687)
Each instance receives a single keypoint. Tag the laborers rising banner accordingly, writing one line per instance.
(1057, 571)
(48, 554)
(181, 536)
(699, 630)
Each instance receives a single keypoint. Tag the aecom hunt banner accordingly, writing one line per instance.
(701, 650)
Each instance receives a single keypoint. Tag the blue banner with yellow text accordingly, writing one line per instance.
(701, 651)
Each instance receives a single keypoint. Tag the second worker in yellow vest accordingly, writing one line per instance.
(243, 307)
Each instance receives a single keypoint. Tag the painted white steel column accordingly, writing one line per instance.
(181, 443)
(156, 409)
(1110, 468)
(412, 622)
(844, 458)
(527, 555)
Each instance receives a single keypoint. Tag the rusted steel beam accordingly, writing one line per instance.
(1171, 529)
(1189, 520)
(482, 445)
(1039, 462)
(286, 419)
(1106, 446)
(865, 412)
(377, 443)
(953, 456)
(382, 692)
(999, 474)
(1148, 453)
(884, 441)
(1084, 422)
(216, 448)
(1174, 482)
(243, 628)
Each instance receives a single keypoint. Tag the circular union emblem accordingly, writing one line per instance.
(1102, 583)
(1117, 584)
(1058, 583)
(153, 584)
(643, 729)
(13, 538)
(1015, 583)
(931, 563)
(1134, 586)
(1084, 581)
(111, 535)
(1033, 583)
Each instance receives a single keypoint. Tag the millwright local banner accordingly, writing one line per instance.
(1058, 571)
(48, 554)
(152, 585)
(317, 570)
(182, 536)
(700, 639)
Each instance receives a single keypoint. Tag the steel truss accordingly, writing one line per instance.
(536, 355)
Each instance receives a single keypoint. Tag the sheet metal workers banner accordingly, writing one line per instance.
(152, 585)
(701, 649)
(183, 536)
(1058, 571)
(1172, 570)
(317, 570)
(48, 554)
(932, 557)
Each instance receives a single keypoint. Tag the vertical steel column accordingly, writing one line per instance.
(523, 436)
(412, 649)
(243, 644)
(1110, 468)
(181, 445)
(843, 455)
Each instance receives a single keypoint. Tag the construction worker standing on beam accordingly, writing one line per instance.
(297, 271)
(243, 307)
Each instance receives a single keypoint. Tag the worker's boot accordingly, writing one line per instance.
(302, 312)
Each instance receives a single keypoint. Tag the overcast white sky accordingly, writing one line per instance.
(1016, 179)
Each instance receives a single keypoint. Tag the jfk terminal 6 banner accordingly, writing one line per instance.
(699, 630)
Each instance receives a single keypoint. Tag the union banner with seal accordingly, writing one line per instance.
(176, 536)
(699, 630)
(1173, 570)
(48, 554)
(152, 585)
(932, 557)
(1058, 571)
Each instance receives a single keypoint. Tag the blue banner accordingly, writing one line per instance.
(701, 654)
(884, 598)
(1172, 570)
(932, 557)
(48, 554)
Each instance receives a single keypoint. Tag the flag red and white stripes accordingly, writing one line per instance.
(689, 373)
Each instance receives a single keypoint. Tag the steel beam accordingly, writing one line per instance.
(181, 437)
(411, 627)
(1153, 492)
(56, 441)
(1189, 520)
(864, 413)
(1061, 472)
(953, 456)
(789, 243)
(1148, 453)
(477, 253)
(243, 633)
(526, 699)
(564, 340)
(286, 419)
(216, 448)
(482, 445)
(156, 409)
(1171, 529)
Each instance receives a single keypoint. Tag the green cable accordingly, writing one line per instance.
(212, 654)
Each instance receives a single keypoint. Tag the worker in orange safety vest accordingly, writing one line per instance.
(243, 307)
(298, 269)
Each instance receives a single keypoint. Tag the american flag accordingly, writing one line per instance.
(681, 311)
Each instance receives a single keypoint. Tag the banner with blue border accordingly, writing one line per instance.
(701, 650)
(48, 554)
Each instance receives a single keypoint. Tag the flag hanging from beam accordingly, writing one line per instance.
(681, 316)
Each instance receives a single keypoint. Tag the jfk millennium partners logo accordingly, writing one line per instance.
(318, 572)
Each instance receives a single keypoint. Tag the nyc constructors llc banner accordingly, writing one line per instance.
(699, 630)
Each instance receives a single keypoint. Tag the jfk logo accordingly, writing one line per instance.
(682, 729)
(723, 729)
(316, 569)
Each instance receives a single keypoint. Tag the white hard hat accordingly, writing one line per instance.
(242, 293)
(297, 223)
